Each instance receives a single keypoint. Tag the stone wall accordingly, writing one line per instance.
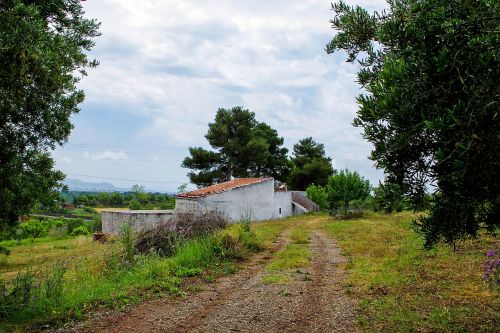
(113, 220)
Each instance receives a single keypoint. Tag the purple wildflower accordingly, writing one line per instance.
(490, 253)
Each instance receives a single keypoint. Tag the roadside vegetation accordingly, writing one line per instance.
(295, 255)
(50, 281)
(404, 287)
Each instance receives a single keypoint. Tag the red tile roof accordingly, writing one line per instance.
(222, 187)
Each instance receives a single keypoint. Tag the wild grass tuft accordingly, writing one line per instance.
(404, 287)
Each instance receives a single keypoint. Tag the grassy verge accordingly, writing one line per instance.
(404, 288)
(293, 256)
(90, 275)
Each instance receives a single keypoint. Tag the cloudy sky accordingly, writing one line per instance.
(167, 66)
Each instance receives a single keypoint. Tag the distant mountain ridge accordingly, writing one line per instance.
(80, 185)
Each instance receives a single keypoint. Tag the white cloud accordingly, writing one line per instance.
(110, 155)
(64, 160)
(174, 63)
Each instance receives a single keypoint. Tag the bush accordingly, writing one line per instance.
(235, 242)
(127, 239)
(31, 293)
(80, 230)
(319, 195)
(134, 205)
(38, 227)
(4, 250)
(164, 238)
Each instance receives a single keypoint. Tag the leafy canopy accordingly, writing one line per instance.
(346, 186)
(43, 55)
(430, 69)
(310, 165)
(243, 147)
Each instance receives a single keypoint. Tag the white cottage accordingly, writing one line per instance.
(255, 199)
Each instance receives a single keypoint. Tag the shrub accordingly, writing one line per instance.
(34, 228)
(31, 293)
(164, 238)
(319, 195)
(492, 268)
(134, 205)
(81, 230)
(89, 210)
(127, 239)
(4, 250)
(235, 242)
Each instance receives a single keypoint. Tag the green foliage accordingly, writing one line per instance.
(388, 197)
(4, 250)
(134, 205)
(310, 165)
(346, 186)
(127, 240)
(81, 230)
(57, 228)
(136, 200)
(319, 195)
(430, 69)
(43, 55)
(244, 148)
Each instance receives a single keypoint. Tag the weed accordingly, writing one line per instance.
(276, 279)
(182, 272)
(209, 278)
(402, 286)
(127, 239)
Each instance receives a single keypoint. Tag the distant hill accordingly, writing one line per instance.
(80, 185)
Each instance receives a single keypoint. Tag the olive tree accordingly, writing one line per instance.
(430, 71)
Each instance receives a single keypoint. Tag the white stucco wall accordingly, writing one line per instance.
(186, 205)
(112, 221)
(255, 201)
(283, 200)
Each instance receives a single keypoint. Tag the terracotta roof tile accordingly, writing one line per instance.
(221, 187)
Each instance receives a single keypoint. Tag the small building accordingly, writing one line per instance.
(253, 199)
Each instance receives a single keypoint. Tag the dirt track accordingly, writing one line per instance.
(312, 302)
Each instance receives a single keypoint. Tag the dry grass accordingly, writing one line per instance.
(39, 253)
(405, 288)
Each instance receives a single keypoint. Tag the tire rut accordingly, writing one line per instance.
(314, 301)
(184, 314)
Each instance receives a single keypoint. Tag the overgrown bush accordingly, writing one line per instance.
(164, 238)
(38, 227)
(80, 230)
(235, 242)
(30, 292)
(319, 195)
(4, 250)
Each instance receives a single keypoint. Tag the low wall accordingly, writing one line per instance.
(112, 220)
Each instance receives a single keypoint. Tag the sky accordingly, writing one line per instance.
(167, 66)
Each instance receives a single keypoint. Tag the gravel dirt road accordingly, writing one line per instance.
(312, 301)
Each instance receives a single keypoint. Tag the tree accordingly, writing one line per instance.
(430, 69)
(319, 195)
(346, 186)
(388, 197)
(244, 148)
(310, 165)
(43, 55)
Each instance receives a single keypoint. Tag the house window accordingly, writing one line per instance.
(280, 210)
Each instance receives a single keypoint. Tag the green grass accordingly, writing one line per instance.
(294, 255)
(96, 275)
(276, 279)
(404, 288)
